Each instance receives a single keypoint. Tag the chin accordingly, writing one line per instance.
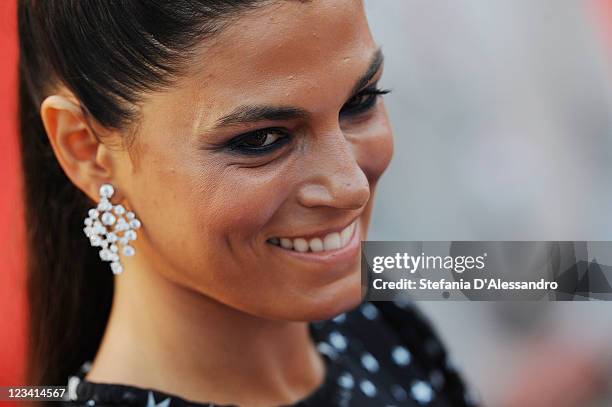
(341, 296)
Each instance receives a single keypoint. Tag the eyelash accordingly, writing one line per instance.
(367, 98)
(238, 143)
(370, 94)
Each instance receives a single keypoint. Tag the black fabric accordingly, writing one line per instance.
(379, 354)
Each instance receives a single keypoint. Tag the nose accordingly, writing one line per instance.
(334, 177)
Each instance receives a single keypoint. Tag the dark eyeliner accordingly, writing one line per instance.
(236, 144)
(365, 100)
(370, 94)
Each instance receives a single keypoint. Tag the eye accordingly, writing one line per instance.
(363, 101)
(259, 141)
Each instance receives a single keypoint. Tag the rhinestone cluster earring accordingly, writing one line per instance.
(112, 228)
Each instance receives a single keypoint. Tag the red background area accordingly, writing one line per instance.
(12, 254)
(12, 276)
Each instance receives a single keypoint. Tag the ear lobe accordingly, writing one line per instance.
(74, 144)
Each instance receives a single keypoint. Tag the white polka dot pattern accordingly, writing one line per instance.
(369, 311)
(401, 355)
(368, 388)
(369, 362)
(340, 319)
(338, 340)
(346, 380)
(421, 392)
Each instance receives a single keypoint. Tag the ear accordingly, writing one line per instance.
(84, 159)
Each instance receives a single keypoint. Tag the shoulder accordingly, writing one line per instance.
(400, 338)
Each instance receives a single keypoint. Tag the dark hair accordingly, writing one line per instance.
(108, 54)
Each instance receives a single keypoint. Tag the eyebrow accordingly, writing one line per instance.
(255, 113)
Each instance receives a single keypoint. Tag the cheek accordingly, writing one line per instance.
(201, 209)
(374, 148)
(242, 204)
(204, 228)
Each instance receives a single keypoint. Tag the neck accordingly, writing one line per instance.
(167, 337)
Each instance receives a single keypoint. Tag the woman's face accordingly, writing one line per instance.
(274, 137)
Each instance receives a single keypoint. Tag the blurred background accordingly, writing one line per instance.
(503, 131)
(501, 112)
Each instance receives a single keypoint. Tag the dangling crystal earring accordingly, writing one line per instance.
(98, 229)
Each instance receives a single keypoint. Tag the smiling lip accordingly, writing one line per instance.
(347, 248)
(328, 240)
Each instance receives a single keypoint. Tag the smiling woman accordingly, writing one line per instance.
(231, 150)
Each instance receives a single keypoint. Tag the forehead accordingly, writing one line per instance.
(283, 53)
(287, 53)
(290, 37)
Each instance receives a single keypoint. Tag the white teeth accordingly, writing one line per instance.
(316, 244)
(301, 245)
(286, 243)
(346, 234)
(331, 241)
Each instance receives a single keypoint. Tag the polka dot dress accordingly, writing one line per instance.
(379, 354)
